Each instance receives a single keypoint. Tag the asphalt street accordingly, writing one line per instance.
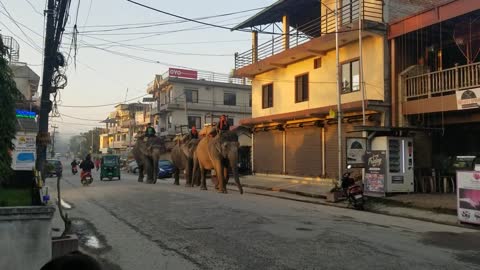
(131, 225)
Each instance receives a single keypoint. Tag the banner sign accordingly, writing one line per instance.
(25, 114)
(356, 148)
(375, 173)
(468, 99)
(182, 73)
(23, 156)
(468, 196)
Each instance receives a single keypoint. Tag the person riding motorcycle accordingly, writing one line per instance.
(74, 165)
(86, 166)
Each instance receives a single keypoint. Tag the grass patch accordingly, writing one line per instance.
(15, 197)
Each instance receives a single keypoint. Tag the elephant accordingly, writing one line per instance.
(182, 159)
(147, 154)
(218, 153)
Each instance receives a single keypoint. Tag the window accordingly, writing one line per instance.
(169, 97)
(267, 96)
(317, 63)
(194, 121)
(124, 137)
(230, 121)
(191, 95)
(250, 100)
(169, 121)
(350, 77)
(301, 88)
(229, 99)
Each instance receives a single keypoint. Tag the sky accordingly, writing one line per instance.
(103, 77)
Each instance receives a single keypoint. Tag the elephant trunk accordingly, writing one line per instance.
(233, 162)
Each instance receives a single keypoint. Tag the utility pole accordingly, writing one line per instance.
(360, 60)
(52, 41)
(52, 153)
(339, 96)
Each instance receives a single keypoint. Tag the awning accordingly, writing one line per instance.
(298, 11)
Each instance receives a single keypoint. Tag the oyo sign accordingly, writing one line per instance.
(182, 73)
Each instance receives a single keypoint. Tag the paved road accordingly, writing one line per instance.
(140, 226)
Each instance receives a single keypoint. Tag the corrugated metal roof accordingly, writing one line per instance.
(398, 9)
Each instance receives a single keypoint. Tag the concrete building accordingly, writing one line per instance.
(189, 97)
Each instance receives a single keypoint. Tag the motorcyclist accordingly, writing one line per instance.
(86, 166)
(74, 165)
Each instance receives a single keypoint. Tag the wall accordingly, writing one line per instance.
(322, 82)
(26, 237)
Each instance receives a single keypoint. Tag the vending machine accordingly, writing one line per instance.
(398, 162)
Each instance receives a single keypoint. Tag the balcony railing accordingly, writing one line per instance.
(347, 14)
(442, 82)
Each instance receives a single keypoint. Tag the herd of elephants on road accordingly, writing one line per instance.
(195, 157)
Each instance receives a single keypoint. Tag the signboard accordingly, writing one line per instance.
(25, 114)
(182, 73)
(468, 99)
(356, 148)
(468, 196)
(23, 156)
(375, 173)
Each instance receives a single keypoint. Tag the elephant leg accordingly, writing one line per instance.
(188, 173)
(203, 176)
(176, 175)
(149, 169)
(140, 173)
(220, 177)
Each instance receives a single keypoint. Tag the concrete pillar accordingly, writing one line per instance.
(286, 32)
(254, 46)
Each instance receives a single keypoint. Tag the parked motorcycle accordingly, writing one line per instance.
(352, 191)
(74, 170)
(86, 178)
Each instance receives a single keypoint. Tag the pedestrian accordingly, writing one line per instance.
(97, 164)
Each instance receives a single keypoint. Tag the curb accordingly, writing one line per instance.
(316, 196)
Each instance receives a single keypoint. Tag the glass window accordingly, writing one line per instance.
(267, 96)
(350, 77)
(229, 99)
(194, 121)
(191, 95)
(301, 88)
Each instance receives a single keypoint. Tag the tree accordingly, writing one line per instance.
(9, 95)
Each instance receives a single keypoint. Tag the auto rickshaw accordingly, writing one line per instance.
(110, 167)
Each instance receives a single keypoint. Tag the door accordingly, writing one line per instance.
(303, 152)
(268, 152)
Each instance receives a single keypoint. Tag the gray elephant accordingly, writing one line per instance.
(147, 154)
(182, 159)
(219, 153)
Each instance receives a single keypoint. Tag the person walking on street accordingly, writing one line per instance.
(97, 164)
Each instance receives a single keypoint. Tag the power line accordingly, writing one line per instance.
(101, 105)
(83, 119)
(18, 26)
(34, 8)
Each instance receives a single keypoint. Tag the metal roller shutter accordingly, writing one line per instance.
(303, 152)
(268, 152)
(331, 147)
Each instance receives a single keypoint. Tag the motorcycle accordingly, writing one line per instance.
(352, 191)
(86, 178)
(74, 170)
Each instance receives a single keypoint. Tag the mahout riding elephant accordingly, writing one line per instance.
(218, 153)
(182, 159)
(147, 154)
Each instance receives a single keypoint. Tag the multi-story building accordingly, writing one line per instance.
(436, 83)
(188, 97)
(122, 125)
(294, 80)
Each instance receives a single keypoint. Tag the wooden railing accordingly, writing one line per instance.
(442, 82)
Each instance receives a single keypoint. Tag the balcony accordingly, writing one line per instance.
(310, 39)
(436, 91)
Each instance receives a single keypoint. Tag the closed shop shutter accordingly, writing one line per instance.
(303, 153)
(268, 152)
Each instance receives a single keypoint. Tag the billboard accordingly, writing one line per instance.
(182, 73)
(356, 149)
(468, 99)
(375, 170)
(468, 196)
(23, 156)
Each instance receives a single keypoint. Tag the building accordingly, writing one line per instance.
(122, 126)
(294, 81)
(189, 97)
(436, 83)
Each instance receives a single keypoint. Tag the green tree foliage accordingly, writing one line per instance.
(9, 95)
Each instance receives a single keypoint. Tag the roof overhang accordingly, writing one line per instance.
(432, 16)
(299, 12)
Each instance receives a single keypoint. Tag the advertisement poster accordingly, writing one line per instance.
(356, 148)
(468, 99)
(23, 156)
(375, 162)
(183, 73)
(468, 196)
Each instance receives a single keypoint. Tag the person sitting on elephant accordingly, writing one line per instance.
(223, 124)
(150, 131)
(194, 132)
